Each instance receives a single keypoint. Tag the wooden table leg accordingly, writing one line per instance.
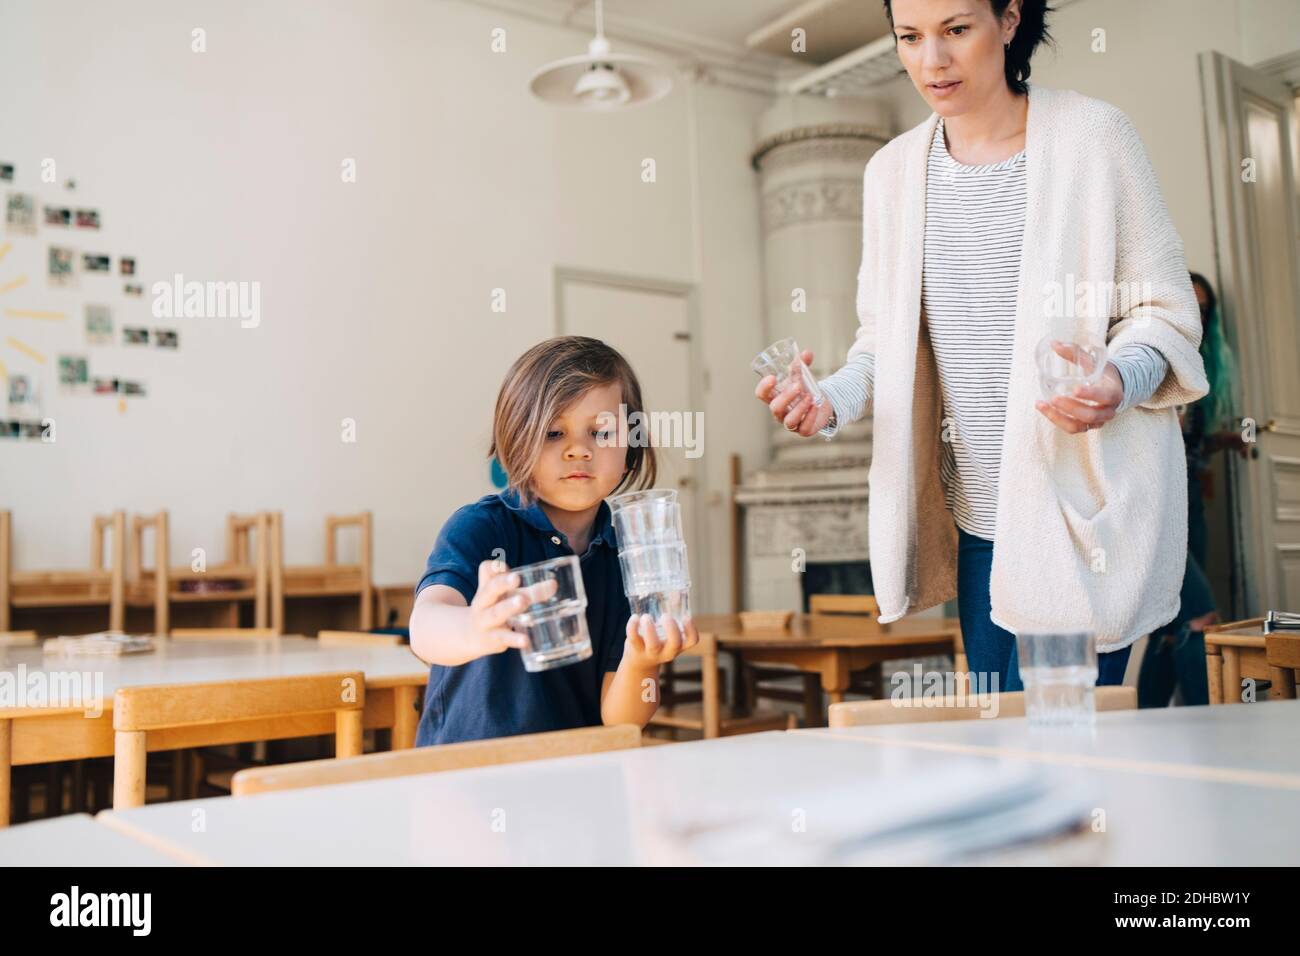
(405, 717)
(129, 758)
(814, 714)
(836, 677)
(6, 768)
(1213, 674)
(1283, 683)
(1231, 675)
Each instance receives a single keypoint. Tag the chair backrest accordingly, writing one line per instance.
(161, 559)
(363, 522)
(862, 606)
(857, 604)
(263, 530)
(101, 525)
(218, 633)
(17, 638)
(404, 763)
(858, 713)
(362, 638)
(137, 711)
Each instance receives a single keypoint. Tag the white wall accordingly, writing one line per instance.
(375, 295)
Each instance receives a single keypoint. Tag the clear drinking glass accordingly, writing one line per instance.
(1059, 672)
(1068, 358)
(647, 517)
(657, 581)
(556, 626)
(784, 359)
(652, 554)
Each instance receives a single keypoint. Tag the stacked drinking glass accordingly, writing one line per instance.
(652, 554)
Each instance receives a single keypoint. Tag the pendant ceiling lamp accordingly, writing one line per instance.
(599, 80)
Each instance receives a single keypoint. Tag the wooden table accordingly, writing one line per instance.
(835, 646)
(1240, 653)
(76, 840)
(634, 806)
(1257, 744)
(41, 734)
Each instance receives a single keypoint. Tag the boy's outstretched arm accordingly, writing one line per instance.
(630, 695)
(445, 630)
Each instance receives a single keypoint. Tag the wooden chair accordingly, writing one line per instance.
(171, 708)
(217, 633)
(17, 638)
(164, 588)
(362, 638)
(710, 716)
(65, 596)
(858, 713)
(1282, 652)
(331, 579)
(869, 683)
(406, 763)
(393, 604)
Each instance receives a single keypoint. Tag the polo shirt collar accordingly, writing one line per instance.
(535, 517)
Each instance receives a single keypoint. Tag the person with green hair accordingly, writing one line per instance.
(1175, 653)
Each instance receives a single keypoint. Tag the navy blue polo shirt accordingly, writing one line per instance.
(493, 696)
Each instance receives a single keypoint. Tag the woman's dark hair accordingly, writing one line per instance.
(1031, 32)
(1211, 300)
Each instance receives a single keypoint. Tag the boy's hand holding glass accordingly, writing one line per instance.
(646, 649)
(494, 604)
(1081, 399)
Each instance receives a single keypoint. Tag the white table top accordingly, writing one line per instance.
(76, 840)
(618, 808)
(241, 658)
(1262, 738)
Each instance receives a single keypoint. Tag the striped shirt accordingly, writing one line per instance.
(974, 227)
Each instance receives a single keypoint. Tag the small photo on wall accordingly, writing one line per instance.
(33, 430)
(87, 218)
(132, 289)
(106, 385)
(166, 338)
(99, 325)
(94, 262)
(20, 390)
(134, 389)
(135, 336)
(74, 371)
(6, 172)
(63, 267)
(20, 214)
(127, 265)
(58, 216)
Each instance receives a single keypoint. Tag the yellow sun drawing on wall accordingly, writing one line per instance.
(12, 342)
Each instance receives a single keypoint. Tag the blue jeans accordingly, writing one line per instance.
(1175, 655)
(990, 650)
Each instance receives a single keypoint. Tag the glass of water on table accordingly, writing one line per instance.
(1059, 672)
(556, 626)
(652, 554)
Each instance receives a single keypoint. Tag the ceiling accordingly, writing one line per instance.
(753, 32)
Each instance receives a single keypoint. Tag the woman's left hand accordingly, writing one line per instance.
(1090, 407)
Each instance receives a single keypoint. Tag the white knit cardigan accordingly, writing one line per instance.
(1091, 528)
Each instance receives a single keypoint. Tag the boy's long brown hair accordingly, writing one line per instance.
(542, 383)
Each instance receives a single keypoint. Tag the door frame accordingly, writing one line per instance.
(1240, 295)
(695, 381)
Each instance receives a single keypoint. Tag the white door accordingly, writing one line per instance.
(649, 322)
(1251, 128)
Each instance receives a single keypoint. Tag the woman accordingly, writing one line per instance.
(1008, 206)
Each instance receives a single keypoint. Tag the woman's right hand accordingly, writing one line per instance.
(497, 600)
(793, 408)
